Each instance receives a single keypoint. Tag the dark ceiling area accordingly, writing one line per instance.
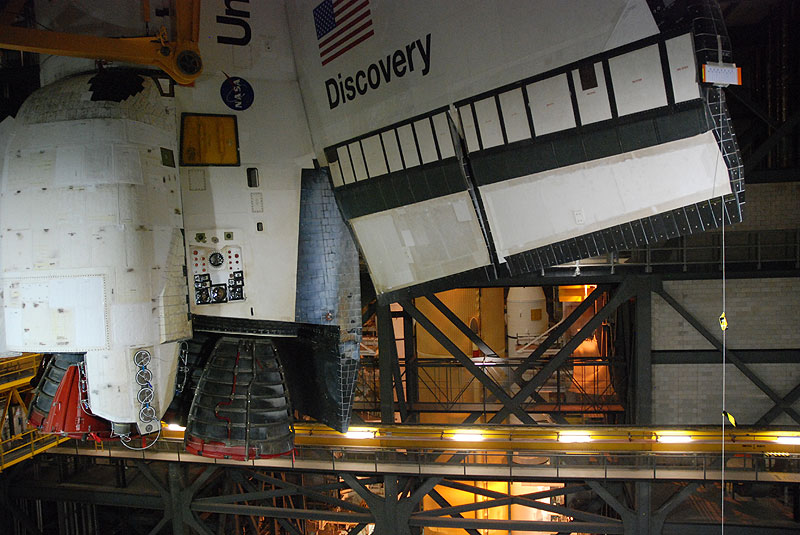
(765, 110)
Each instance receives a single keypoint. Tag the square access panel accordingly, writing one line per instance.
(208, 139)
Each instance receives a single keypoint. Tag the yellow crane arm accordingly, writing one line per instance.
(180, 58)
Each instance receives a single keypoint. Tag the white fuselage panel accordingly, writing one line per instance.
(543, 208)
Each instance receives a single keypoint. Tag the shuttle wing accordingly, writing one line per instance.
(509, 137)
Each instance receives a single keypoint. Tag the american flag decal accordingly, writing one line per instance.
(341, 25)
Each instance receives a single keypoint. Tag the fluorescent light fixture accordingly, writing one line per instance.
(176, 427)
(360, 434)
(467, 437)
(674, 439)
(795, 441)
(572, 437)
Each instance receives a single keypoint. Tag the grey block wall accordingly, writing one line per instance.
(762, 314)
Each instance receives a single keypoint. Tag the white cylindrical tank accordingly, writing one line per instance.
(91, 249)
(526, 316)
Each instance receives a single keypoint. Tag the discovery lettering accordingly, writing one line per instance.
(395, 65)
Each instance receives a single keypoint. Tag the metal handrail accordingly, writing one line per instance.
(474, 463)
(15, 368)
(759, 248)
(25, 445)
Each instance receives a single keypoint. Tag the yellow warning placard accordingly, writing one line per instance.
(209, 139)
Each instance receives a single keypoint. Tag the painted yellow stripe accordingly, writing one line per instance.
(545, 439)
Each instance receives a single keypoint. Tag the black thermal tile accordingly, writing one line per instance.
(628, 235)
(569, 150)
(637, 135)
(601, 143)
(660, 229)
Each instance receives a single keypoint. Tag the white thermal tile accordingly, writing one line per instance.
(682, 69)
(392, 150)
(427, 146)
(358, 160)
(638, 80)
(345, 165)
(551, 105)
(593, 104)
(489, 122)
(373, 154)
(408, 146)
(443, 136)
(512, 105)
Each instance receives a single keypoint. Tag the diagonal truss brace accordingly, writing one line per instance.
(500, 499)
(465, 361)
(622, 293)
(730, 355)
(478, 341)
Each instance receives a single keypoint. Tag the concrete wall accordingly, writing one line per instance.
(771, 206)
(687, 394)
(762, 314)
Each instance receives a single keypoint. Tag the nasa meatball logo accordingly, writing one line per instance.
(237, 93)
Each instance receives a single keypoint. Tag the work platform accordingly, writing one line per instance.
(514, 453)
(18, 443)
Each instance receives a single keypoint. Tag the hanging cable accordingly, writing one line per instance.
(126, 439)
(723, 323)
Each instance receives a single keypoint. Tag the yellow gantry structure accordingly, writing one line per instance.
(19, 443)
(545, 438)
(178, 57)
(529, 452)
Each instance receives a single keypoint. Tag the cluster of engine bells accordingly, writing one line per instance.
(240, 409)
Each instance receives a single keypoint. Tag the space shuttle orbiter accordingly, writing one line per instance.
(180, 249)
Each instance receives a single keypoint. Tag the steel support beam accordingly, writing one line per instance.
(500, 499)
(391, 512)
(398, 383)
(465, 361)
(479, 343)
(763, 150)
(280, 512)
(676, 528)
(355, 530)
(528, 500)
(461, 326)
(444, 504)
(96, 494)
(621, 294)
(660, 516)
(643, 366)
(412, 369)
(26, 522)
(756, 109)
(730, 354)
(629, 520)
(787, 401)
(285, 489)
(643, 499)
(176, 503)
(386, 353)
(516, 525)
(557, 333)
